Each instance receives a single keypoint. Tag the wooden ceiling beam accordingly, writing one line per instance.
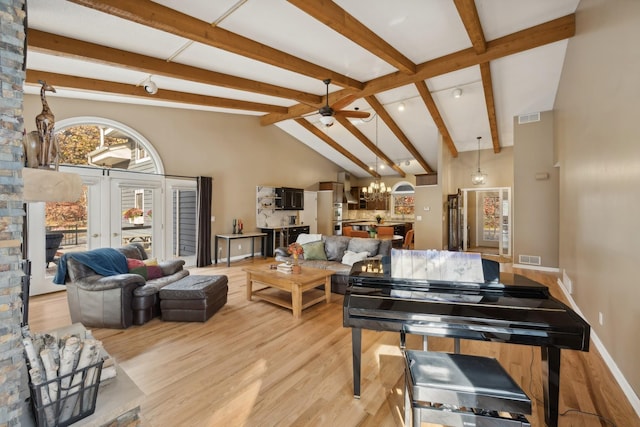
(469, 15)
(159, 17)
(436, 116)
(65, 81)
(41, 41)
(487, 84)
(388, 120)
(370, 145)
(335, 17)
(333, 144)
(539, 35)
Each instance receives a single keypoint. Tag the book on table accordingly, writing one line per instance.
(285, 268)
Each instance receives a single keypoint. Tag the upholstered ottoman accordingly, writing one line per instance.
(193, 298)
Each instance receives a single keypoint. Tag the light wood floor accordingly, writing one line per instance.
(253, 364)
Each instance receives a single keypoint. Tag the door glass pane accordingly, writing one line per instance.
(137, 217)
(490, 217)
(66, 229)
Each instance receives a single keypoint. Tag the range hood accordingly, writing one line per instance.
(345, 179)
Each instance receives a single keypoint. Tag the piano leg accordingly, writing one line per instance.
(356, 349)
(551, 384)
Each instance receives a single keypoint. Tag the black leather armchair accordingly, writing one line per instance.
(120, 300)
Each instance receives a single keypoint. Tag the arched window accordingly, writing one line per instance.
(103, 143)
(403, 198)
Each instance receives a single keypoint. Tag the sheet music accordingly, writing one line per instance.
(436, 265)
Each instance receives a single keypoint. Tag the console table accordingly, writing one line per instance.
(229, 237)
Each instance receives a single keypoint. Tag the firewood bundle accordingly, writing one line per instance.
(62, 372)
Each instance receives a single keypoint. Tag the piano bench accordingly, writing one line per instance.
(461, 390)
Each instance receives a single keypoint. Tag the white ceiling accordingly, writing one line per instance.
(422, 30)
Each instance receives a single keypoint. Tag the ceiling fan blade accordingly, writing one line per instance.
(353, 114)
(341, 103)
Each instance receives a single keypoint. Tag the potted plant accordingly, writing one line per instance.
(379, 219)
(134, 215)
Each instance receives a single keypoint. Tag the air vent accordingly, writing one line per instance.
(529, 259)
(528, 118)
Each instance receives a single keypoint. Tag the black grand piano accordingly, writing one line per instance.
(504, 308)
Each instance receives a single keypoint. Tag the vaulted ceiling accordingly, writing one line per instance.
(399, 61)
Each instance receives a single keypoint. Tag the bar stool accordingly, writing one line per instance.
(461, 390)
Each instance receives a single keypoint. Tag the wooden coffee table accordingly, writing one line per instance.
(277, 285)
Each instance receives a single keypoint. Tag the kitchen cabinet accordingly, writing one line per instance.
(356, 192)
(282, 236)
(292, 233)
(291, 199)
(378, 205)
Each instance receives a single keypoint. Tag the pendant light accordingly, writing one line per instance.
(377, 190)
(478, 177)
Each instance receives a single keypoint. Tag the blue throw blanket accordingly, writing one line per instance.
(104, 261)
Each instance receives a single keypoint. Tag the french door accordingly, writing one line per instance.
(98, 220)
(493, 217)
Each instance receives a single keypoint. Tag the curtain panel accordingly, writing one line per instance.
(203, 242)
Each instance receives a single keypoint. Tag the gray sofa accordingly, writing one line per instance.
(335, 248)
(120, 300)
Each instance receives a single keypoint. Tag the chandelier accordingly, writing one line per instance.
(478, 177)
(377, 191)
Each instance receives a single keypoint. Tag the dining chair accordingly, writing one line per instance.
(408, 240)
(346, 231)
(385, 231)
(359, 233)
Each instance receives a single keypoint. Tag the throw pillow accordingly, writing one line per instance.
(362, 244)
(137, 266)
(351, 258)
(334, 247)
(133, 263)
(154, 272)
(151, 261)
(308, 238)
(314, 251)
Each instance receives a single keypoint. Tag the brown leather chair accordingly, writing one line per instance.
(408, 240)
(347, 230)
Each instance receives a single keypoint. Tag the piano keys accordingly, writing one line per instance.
(505, 308)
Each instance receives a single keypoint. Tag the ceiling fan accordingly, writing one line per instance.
(327, 113)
